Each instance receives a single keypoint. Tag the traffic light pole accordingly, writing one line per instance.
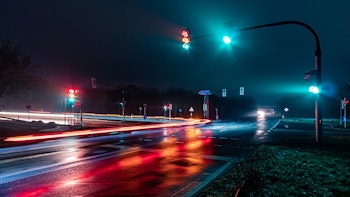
(318, 116)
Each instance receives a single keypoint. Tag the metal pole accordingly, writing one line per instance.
(81, 109)
(144, 110)
(318, 113)
(345, 120)
(341, 112)
(123, 111)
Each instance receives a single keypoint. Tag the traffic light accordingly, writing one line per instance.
(186, 38)
(312, 77)
(226, 39)
(72, 94)
(314, 89)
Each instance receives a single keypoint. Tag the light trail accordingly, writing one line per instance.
(189, 122)
(37, 114)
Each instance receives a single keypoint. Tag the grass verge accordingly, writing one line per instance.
(281, 171)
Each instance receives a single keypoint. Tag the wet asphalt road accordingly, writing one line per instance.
(165, 162)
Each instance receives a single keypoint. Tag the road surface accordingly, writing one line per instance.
(155, 162)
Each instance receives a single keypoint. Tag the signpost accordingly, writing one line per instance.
(170, 108)
(191, 110)
(144, 111)
(344, 103)
(206, 94)
(28, 108)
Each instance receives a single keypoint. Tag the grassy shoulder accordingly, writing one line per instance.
(295, 167)
(281, 171)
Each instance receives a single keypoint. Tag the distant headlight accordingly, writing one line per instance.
(260, 113)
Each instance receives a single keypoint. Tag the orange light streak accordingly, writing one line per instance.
(189, 122)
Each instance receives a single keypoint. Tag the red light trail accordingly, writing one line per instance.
(190, 122)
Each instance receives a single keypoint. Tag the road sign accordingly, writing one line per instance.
(191, 109)
(224, 92)
(204, 92)
(78, 104)
(205, 107)
(241, 91)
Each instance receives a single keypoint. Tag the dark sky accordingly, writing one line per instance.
(138, 42)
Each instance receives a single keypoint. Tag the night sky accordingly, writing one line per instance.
(138, 42)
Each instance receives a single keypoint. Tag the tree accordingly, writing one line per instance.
(16, 69)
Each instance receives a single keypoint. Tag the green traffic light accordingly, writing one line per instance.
(186, 46)
(314, 90)
(72, 100)
(226, 39)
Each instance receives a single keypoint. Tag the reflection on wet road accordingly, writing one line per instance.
(162, 162)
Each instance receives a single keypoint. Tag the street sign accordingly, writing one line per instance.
(28, 107)
(191, 111)
(224, 92)
(204, 92)
(205, 107)
(78, 104)
(241, 91)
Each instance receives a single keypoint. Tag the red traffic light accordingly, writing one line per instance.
(72, 92)
(185, 33)
(186, 38)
